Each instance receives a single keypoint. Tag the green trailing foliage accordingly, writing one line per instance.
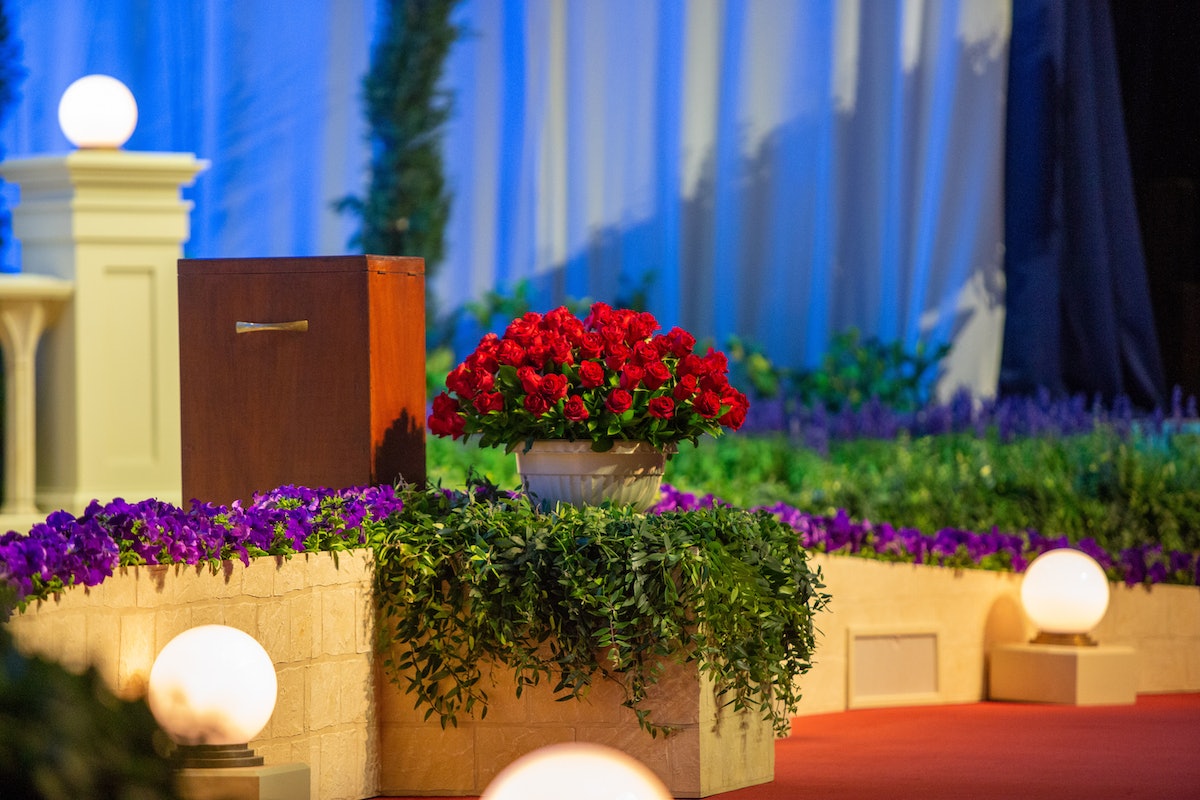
(569, 596)
(407, 204)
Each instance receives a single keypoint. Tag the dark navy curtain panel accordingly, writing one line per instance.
(1079, 316)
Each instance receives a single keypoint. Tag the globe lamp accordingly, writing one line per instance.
(1065, 594)
(213, 689)
(97, 112)
(578, 770)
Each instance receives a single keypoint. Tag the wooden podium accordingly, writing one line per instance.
(305, 371)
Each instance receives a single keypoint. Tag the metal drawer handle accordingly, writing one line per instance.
(300, 325)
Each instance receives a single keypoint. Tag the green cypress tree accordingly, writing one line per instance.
(407, 203)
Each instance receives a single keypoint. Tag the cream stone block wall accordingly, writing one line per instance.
(972, 611)
(313, 614)
(711, 750)
(362, 738)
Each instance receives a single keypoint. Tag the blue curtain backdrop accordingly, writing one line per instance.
(1079, 311)
(266, 90)
(777, 169)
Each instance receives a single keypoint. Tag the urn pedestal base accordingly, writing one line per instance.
(571, 472)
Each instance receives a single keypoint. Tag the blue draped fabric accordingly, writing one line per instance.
(266, 91)
(776, 169)
(1079, 312)
(779, 169)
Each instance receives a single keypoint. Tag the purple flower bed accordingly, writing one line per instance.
(66, 550)
(69, 551)
(952, 547)
(1008, 418)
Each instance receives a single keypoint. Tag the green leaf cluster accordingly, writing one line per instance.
(64, 736)
(572, 596)
(1121, 490)
(854, 370)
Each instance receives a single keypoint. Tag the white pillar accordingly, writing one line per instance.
(112, 222)
(28, 304)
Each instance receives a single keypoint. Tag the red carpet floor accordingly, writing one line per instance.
(987, 751)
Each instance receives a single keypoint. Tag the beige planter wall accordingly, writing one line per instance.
(312, 615)
(968, 612)
(314, 618)
(710, 751)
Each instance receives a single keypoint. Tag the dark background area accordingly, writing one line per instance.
(1158, 55)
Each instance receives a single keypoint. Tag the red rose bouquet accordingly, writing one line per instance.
(609, 376)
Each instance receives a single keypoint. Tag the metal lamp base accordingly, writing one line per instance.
(1068, 639)
(200, 756)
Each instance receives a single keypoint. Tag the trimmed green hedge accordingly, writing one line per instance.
(1121, 490)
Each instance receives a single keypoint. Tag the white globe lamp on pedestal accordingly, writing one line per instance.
(213, 689)
(97, 112)
(578, 770)
(1065, 594)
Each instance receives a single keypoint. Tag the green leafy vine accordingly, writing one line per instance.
(575, 595)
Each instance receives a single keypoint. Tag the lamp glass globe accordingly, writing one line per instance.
(578, 770)
(1065, 591)
(212, 685)
(97, 111)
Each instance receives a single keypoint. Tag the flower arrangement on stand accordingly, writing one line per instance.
(555, 387)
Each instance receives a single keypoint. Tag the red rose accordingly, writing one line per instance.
(487, 345)
(714, 382)
(691, 364)
(662, 407)
(619, 401)
(483, 361)
(530, 380)
(523, 328)
(536, 354)
(715, 361)
(707, 405)
(461, 382)
(574, 409)
(645, 352)
(553, 388)
(510, 353)
(591, 374)
(536, 404)
(599, 314)
(445, 419)
(560, 352)
(484, 381)
(687, 386)
(488, 401)
(656, 374)
(591, 345)
(631, 376)
(642, 325)
(681, 342)
(613, 334)
(738, 406)
(616, 357)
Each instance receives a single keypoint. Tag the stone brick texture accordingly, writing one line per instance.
(362, 738)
